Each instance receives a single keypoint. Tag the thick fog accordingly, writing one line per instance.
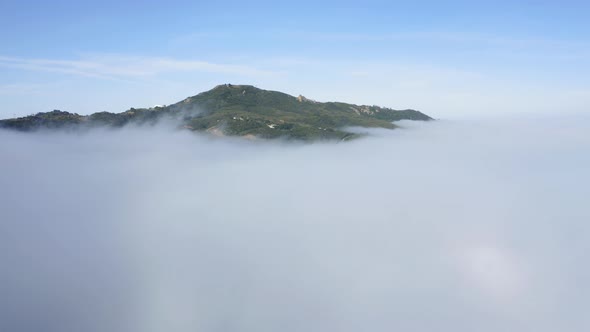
(443, 226)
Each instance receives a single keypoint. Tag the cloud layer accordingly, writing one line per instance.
(447, 226)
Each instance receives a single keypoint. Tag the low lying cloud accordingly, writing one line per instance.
(446, 226)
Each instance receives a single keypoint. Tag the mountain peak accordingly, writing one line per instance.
(239, 110)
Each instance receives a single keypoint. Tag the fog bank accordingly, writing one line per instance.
(442, 226)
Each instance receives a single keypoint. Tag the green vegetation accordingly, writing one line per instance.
(54, 119)
(238, 110)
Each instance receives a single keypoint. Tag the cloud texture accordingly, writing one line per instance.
(445, 226)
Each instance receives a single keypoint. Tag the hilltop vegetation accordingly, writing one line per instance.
(237, 110)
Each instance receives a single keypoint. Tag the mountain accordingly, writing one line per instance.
(236, 110)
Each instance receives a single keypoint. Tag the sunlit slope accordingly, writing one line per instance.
(238, 110)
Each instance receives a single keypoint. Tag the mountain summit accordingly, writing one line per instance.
(237, 110)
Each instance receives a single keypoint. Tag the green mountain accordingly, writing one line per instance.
(236, 110)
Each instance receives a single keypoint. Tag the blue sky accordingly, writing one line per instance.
(457, 58)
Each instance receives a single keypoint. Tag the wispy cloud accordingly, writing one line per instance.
(550, 47)
(445, 36)
(125, 67)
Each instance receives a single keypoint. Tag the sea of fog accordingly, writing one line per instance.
(454, 226)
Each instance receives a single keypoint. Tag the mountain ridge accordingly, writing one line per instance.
(237, 110)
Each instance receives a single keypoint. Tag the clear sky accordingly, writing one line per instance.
(446, 58)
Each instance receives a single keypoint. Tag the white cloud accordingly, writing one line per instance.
(446, 226)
